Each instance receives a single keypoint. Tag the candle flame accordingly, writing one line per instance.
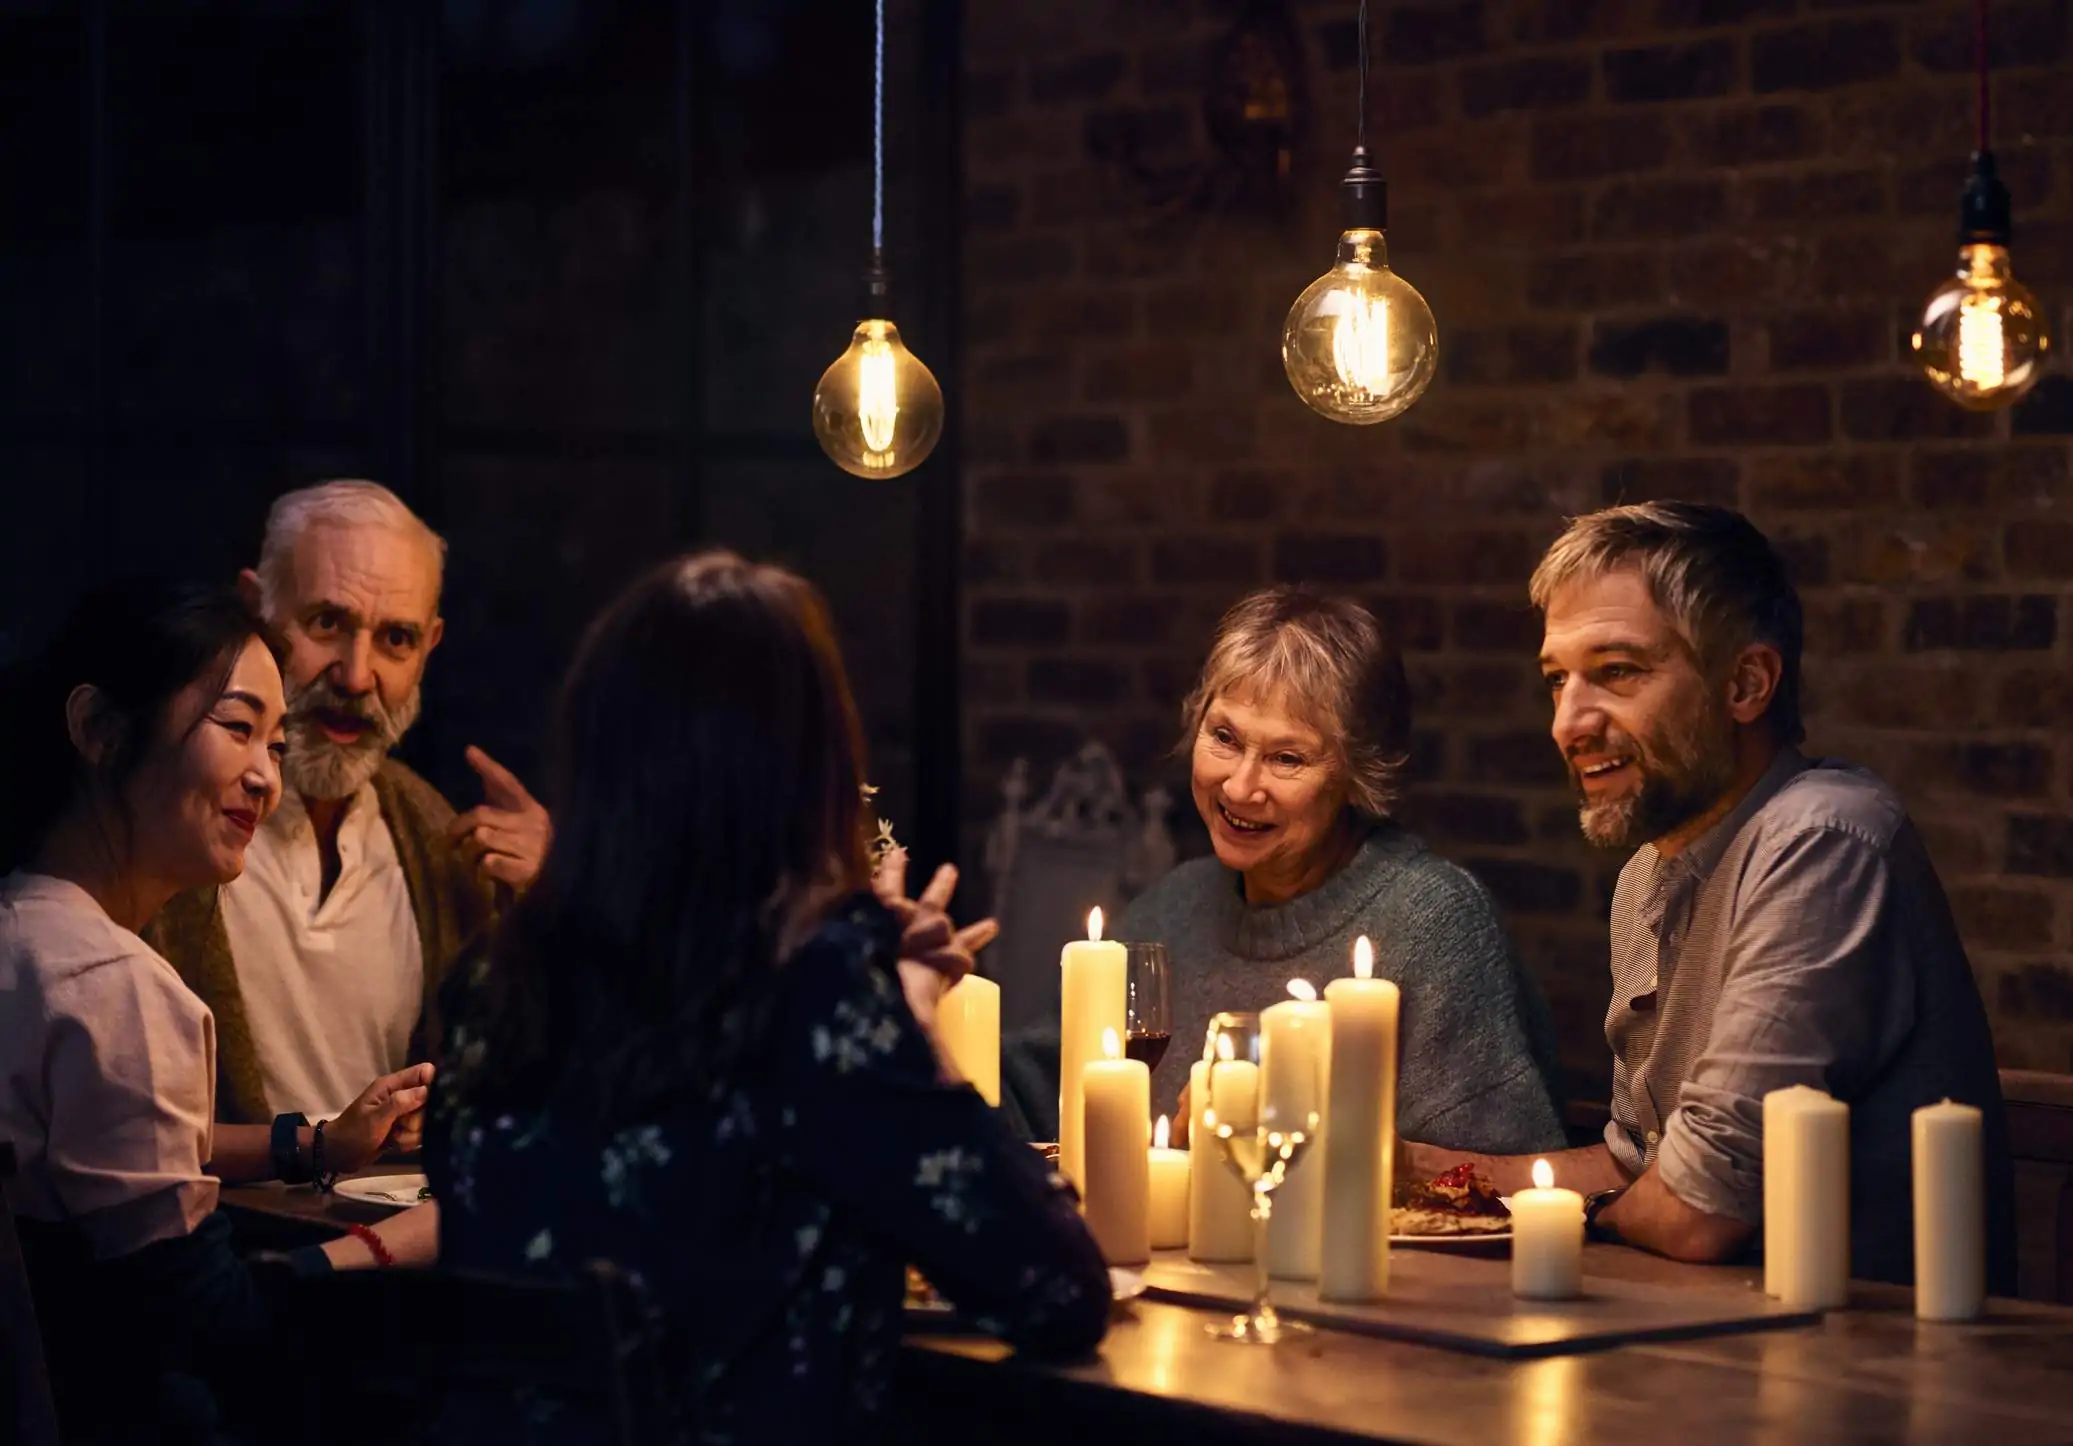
(1302, 989)
(1159, 1134)
(1543, 1175)
(1363, 958)
(1111, 1047)
(1225, 1051)
(1094, 925)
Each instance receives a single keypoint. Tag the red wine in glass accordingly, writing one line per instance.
(1147, 1045)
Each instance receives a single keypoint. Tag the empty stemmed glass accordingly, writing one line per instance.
(1148, 1025)
(1264, 1113)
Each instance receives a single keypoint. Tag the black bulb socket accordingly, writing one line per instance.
(1364, 196)
(1984, 212)
(877, 291)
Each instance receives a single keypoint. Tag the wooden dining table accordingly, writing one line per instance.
(1869, 1373)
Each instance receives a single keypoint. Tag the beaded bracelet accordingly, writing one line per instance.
(324, 1179)
(383, 1259)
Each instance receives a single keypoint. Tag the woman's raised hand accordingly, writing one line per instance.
(934, 952)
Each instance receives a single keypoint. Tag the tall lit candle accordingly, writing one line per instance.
(968, 1021)
(1170, 1175)
(1950, 1213)
(1547, 1239)
(1815, 1274)
(1093, 995)
(1118, 1193)
(1295, 1064)
(1360, 1152)
(1219, 1205)
(1779, 1182)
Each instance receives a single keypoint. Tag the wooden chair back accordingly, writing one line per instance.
(415, 1337)
(2040, 1133)
(27, 1415)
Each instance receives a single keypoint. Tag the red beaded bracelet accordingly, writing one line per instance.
(382, 1257)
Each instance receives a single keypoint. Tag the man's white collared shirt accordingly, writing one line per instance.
(331, 988)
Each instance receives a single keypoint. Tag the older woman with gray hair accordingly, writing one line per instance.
(1296, 737)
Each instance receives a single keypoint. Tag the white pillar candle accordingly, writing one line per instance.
(1093, 998)
(1170, 1174)
(1219, 1205)
(1778, 1182)
(1816, 1270)
(968, 1021)
(1547, 1239)
(1295, 1068)
(1359, 1154)
(1118, 1193)
(1950, 1213)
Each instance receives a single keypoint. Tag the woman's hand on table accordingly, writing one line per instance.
(390, 1112)
(412, 1237)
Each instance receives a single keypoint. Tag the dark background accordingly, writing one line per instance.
(563, 273)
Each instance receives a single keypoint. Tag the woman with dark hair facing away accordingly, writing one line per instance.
(141, 753)
(700, 1048)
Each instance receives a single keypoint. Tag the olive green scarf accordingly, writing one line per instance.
(451, 905)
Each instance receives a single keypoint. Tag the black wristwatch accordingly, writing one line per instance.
(1594, 1205)
(287, 1156)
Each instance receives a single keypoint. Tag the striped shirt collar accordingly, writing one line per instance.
(1693, 864)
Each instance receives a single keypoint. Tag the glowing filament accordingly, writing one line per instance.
(1363, 958)
(1360, 343)
(1980, 349)
(878, 405)
(1543, 1175)
(1301, 989)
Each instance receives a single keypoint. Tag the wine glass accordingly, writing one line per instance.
(1148, 1027)
(1264, 1113)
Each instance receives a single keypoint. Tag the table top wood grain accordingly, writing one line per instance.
(1868, 1374)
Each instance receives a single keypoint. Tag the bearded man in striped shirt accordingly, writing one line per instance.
(1779, 922)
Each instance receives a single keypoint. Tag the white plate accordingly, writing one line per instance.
(1447, 1242)
(1124, 1284)
(399, 1190)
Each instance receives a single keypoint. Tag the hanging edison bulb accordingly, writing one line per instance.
(877, 411)
(1360, 344)
(1982, 339)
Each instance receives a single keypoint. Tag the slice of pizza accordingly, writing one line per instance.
(1456, 1202)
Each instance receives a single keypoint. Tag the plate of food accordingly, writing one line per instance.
(1456, 1207)
(404, 1190)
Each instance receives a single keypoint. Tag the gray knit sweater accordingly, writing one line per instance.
(1475, 1046)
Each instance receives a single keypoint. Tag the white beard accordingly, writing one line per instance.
(316, 767)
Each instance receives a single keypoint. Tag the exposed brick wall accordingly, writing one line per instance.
(1673, 246)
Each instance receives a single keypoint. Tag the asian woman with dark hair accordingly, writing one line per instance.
(137, 756)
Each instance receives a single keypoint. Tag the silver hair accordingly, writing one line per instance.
(344, 502)
(1339, 670)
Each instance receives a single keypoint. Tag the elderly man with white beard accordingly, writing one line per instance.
(322, 963)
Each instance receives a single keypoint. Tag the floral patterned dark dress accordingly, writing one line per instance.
(770, 1231)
